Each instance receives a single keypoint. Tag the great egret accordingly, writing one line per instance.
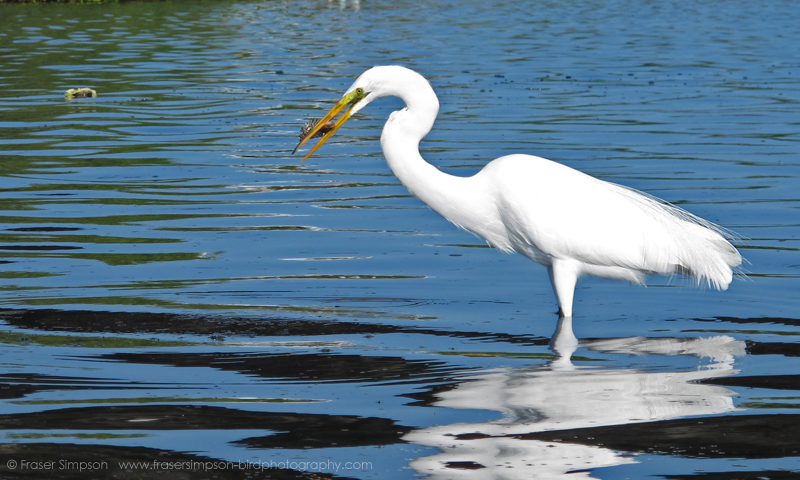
(570, 222)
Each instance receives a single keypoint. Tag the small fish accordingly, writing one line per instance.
(310, 125)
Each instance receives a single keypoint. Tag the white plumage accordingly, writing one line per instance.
(570, 222)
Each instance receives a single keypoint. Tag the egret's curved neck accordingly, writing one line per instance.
(448, 195)
(400, 143)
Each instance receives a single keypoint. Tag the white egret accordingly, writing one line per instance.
(570, 222)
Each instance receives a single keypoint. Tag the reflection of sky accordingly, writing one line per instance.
(561, 396)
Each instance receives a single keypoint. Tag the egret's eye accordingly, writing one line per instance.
(360, 91)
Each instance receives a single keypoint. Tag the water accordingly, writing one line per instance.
(178, 288)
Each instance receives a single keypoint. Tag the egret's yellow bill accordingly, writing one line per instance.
(348, 101)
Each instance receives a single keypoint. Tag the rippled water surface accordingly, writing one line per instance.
(176, 287)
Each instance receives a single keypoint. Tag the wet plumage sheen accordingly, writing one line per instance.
(570, 222)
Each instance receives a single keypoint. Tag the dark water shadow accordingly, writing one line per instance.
(737, 436)
(313, 368)
(294, 430)
(217, 325)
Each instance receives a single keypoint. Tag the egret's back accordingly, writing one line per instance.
(552, 212)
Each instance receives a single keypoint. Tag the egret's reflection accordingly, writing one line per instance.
(562, 396)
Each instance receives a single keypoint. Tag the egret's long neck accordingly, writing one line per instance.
(448, 195)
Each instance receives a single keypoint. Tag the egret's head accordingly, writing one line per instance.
(353, 101)
(377, 82)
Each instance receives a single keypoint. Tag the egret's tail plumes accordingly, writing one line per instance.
(691, 246)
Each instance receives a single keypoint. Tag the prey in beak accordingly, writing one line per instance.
(305, 131)
(325, 124)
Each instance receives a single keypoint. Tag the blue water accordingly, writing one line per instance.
(164, 256)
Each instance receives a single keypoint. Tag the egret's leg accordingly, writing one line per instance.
(563, 276)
